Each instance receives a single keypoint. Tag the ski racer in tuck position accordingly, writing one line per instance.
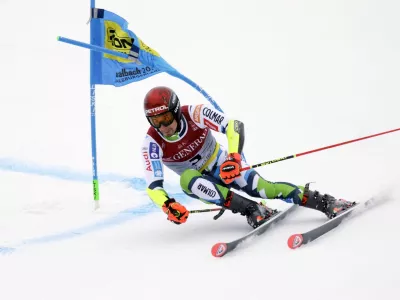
(181, 138)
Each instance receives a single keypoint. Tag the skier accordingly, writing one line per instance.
(181, 139)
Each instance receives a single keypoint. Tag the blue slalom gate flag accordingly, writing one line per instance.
(110, 35)
(111, 31)
(119, 57)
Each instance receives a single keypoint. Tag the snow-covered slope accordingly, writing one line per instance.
(300, 75)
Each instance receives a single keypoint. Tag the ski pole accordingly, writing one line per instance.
(221, 211)
(204, 210)
(316, 150)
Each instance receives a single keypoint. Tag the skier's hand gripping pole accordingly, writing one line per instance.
(230, 168)
(176, 212)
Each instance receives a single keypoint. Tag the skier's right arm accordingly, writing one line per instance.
(153, 170)
(154, 173)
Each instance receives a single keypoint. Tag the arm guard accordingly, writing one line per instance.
(157, 193)
(235, 135)
(157, 196)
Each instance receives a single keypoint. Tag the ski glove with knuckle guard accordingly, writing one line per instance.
(230, 168)
(176, 212)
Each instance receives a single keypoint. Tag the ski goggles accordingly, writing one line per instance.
(165, 119)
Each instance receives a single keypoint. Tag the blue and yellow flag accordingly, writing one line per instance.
(111, 32)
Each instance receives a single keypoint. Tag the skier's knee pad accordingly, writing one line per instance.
(192, 182)
(186, 177)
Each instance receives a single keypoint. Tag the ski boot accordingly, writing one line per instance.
(256, 214)
(327, 204)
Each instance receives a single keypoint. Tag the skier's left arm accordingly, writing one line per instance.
(230, 169)
(205, 116)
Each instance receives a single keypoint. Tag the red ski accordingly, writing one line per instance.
(297, 240)
(220, 249)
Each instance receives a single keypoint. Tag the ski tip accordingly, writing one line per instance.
(295, 241)
(219, 249)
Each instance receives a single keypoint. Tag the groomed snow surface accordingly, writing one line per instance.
(299, 74)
